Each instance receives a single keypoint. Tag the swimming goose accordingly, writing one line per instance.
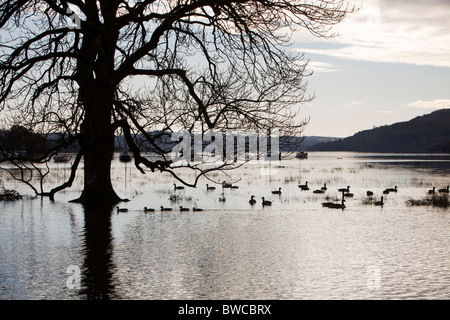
(148, 209)
(197, 209)
(344, 189)
(324, 188)
(348, 194)
(338, 205)
(379, 203)
(444, 190)
(392, 189)
(177, 187)
(183, 209)
(432, 191)
(369, 193)
(210, 188)
(318, 191)
(304, 186)
(327, 204)
(266, 202)
(121, 209)
(226, 184)
(252, 201)
(277, 191)
(222, 198)
(165, 209)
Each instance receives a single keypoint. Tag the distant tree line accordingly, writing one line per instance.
(19, 140)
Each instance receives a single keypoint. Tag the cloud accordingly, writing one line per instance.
(354, 103)
(414, 32)
(431, 104)
(385, 111)
(320, 67)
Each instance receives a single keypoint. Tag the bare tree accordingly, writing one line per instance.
(86, 70)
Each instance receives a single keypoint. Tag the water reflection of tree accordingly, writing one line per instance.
(98, 268)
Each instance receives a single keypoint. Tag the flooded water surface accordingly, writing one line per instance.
(293, 249)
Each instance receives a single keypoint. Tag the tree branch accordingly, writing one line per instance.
(138, 159)
(69, 182)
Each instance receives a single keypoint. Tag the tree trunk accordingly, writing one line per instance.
(95, 73)
(97, 145)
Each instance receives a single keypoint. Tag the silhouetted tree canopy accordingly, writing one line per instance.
(87, 70)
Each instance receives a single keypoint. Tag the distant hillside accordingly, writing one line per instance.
(427, 133)
(309, 141)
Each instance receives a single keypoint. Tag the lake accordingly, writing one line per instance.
(294, 249)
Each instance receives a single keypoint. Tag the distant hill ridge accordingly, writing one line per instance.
(427, 133)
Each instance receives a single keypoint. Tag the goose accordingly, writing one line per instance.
(324, 188)
(177, 187)
(222, 198)
(197, 209)
(226, 184)
(379, 203)
(338, 205)
(348, 194)
(369, 193)
(327, 204)
(432, 191)
(266, 202)
(210, 188)
(165, 209)
(344, 189)
(319, 191)
(234, 187)
(121, 209)
(252, 201)
(148, 209)
(183, 209)
(277, 191)
(444, 190)
(392, 189)
(304, 186)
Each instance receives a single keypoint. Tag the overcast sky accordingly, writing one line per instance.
(390, 63)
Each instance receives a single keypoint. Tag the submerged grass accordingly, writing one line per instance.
(8, 195)
(436, 200)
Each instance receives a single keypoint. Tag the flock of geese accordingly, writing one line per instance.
(304, 187)
(345, 194)
(433, 191)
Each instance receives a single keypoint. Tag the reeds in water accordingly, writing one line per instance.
(9, 195)
(435, 200)
(367, 201)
